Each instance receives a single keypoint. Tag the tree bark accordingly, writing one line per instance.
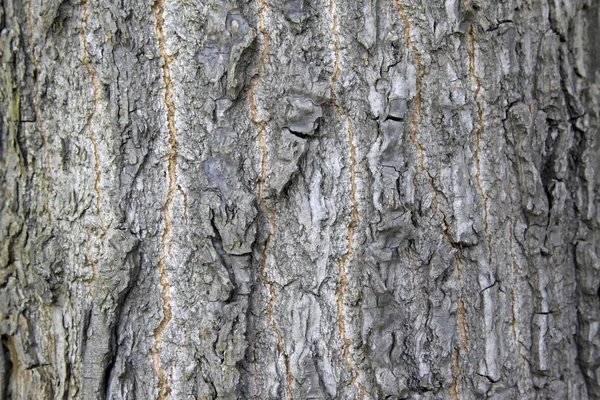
(299, 199)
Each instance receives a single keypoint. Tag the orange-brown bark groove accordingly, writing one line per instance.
(415, 121)
(417, 118)
(38, 109)
(343, 262)
(456, 371)
(418, 115)
(87, 61)
(478, 132)
(262, 26)
(272, 231)
(262, 144)
(163, 382)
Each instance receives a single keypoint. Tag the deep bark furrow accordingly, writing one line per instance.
(163, 380)
(345, 259)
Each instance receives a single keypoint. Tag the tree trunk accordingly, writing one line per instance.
(308, 199)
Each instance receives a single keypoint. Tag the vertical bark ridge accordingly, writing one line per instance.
(417, 117)
(462, 321)
(457, 371)
(336, 54)
(87, 61)
(344, 260)
(185, 203)
(262, 27)
(475, 77)
(272, 216)
(436, 207)
(462, 311)
(513, 296)
(263, 263)
(163, 382)
(256, 370)
(464, 332)
(38, 109)
(93, 264)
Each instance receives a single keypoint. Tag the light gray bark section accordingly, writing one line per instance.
(302, 199)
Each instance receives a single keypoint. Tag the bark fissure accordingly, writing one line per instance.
(462, 323)
(217, 243)
(262, 198)
(185, 203)
(478, 132)
(344, 260)
(93, 264)
(87, 61)
(464, 333)
(457, 371)
(513, 298)
(163, 380)
(417, 116)
(265, 56)
(416, 120)
(38, 109)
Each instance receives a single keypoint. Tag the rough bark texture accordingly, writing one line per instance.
(308, 199)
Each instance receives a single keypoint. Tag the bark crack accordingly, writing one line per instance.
(272, 216)
(457, 371)
(185, 204)
(38, 109)
(418, 115)
(262, 27)
(163, 380)
(343, 262)
(415, 121)
(417, 118)
(514, 265)
(446, 230)
(478, 132)
(462, 323)
(462, 312)
(93, 264)
(513, 294)
(87, 61)
(464, 334)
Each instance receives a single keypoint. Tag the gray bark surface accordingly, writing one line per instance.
(299, 199)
